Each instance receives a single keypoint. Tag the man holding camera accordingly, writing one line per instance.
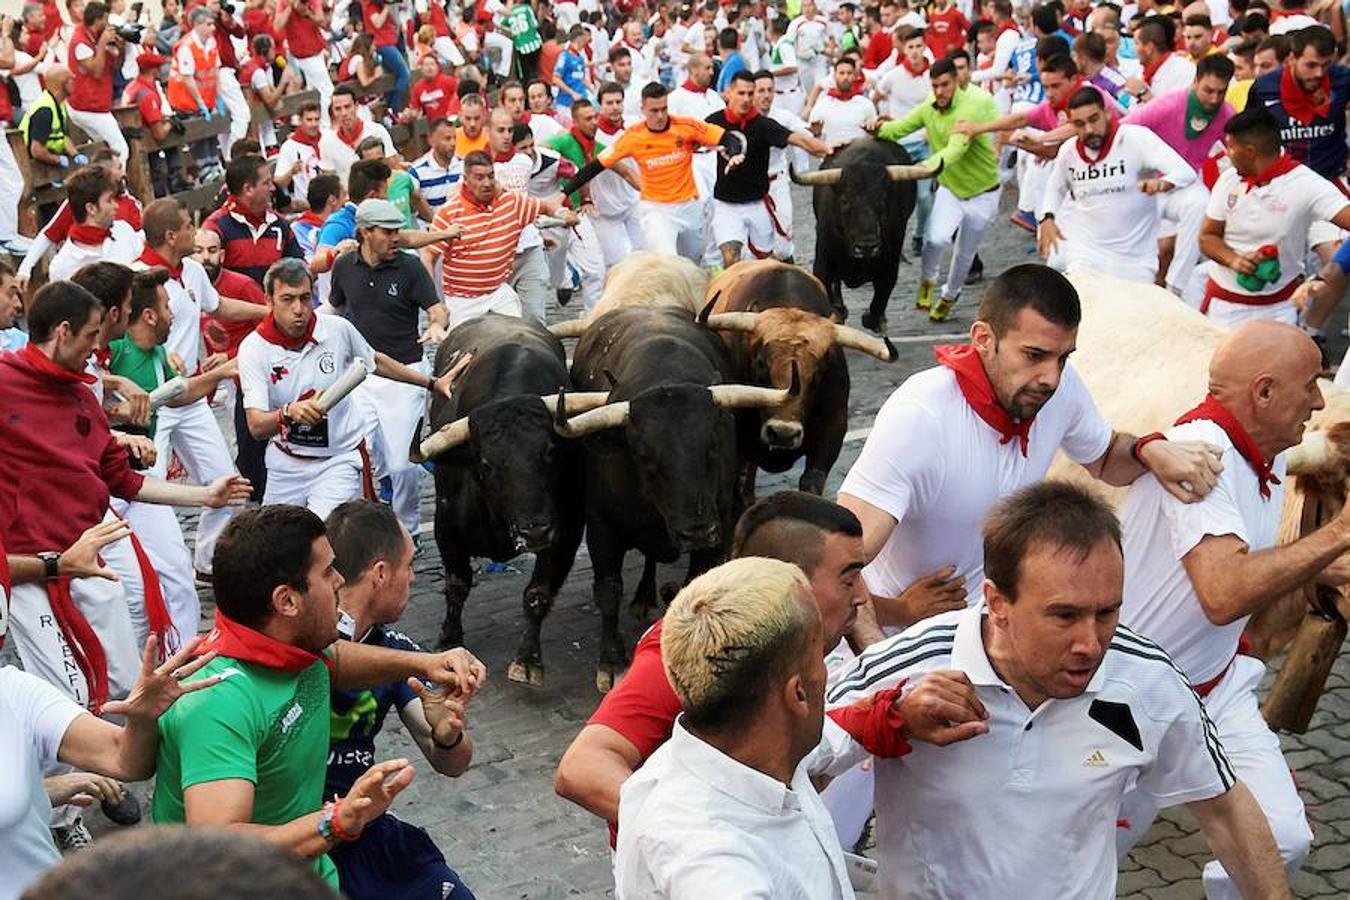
(95, 53)
(305, 24)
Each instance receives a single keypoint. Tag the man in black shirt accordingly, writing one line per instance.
(743, 214)
(383, 290)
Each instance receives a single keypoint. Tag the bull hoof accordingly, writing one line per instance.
(522, 672)
(604, 681)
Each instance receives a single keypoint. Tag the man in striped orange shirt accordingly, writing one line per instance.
(476, 267)
(663, 147)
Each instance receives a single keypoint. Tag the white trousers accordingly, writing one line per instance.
(620, 235)
(674, 228)
(581, 248)
(503, 300)
(101, 126)
(235, 104)
(1184, 209)
(11, 189)
(315, 70)
(194, 436)
(967, 220)
(1254, 751)
(157, 528)
(531, 282)
(400, 406)
(780, 194)
(500, 50)
(1231, 315)
(321, 484)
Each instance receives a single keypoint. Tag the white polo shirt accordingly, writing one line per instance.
(544, 127)
(842, 120)
(614, 198)
(1159, 530)
(336, 155)
(778, 160)
(190, 295)
(937, 467)
(902, 91)
(1029, 810)
(122, 246)
(271, 375)
(693, 822)
(1177, 71)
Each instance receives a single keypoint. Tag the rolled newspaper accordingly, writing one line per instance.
(333, 394)
(168, 392)
(550, 222)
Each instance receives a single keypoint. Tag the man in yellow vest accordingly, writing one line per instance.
(45, 126)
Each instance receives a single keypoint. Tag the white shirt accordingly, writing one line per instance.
(695, 104)
(614, 198)
(792, 122)
(336, 155)
(543, 128)
(1159, 530)
(123, 246)
(843, 120)
(1029, 810)
(902, 91)
(1286, 24)
(809, 36)
(1176, 72)
(34, 717)
(781, 56)
(1109, 224)
(271, 376)
(293, 151)
(1276, 213)
(190, 295)
(693, 822)
(514, 175)
(435, 181)
(937, 468)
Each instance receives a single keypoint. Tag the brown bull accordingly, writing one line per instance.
(774, 317)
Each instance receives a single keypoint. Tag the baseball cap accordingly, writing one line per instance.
(377, 213)
(151, 60)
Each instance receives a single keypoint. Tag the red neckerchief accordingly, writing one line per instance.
(1063, 105)
(84, 233)
(310, 217)
(735, 121)
(45, 366)
(1301, 105)
(240, 642)
(272, 333)
(151, 257)
(587, 144)
(690, 86)
(845, 95)
(525, 118)
(1217, 413)
(102, 356)
(232, 206)
(609, 127)
(300, 137)
(129, 210)
(1283, 165)
(504, 157)
(1111, 129)
(979, 393)
(1152, 69)
(1009, 25)
(354, 139)
(916, 72)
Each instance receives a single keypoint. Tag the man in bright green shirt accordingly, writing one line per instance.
(253, 754)
(968, 183)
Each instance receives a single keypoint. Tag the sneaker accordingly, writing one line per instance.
(72, 837)
(941, 308)
(1023, 219)
(925, 298)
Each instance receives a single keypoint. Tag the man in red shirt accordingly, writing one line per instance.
(435, 95)
(946, 28)
(636, 717)
(380, 21)
(62, 466)
(879, 44)
(35, 31)
(304, 23)
(95, 53)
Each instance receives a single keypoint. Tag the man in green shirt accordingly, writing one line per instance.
(968, 183)
(251, 753)
(401, 190)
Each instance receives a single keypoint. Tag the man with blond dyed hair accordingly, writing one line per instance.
(726, 807)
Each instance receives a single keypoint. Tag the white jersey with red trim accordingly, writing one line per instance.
(190, 295)
(271, 376)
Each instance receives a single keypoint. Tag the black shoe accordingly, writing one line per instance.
(564, 296)
(976, 273)
(126, 811)
(917, 243)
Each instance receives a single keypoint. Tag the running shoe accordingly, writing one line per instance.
(941, 308)
(925, 298)
(1023, 219)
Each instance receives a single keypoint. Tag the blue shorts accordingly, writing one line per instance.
(394, 860)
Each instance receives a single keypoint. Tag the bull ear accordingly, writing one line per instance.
(708, 308)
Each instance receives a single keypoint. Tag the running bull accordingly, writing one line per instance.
(660, 456)
(863, 197)
(506, 482)
(775, 320)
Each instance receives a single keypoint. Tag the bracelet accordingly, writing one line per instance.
(450, 746)
(325, 826)
(1142, 442)
(336, 825)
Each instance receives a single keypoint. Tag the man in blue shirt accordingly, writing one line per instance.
(732, 61)
(569, 74)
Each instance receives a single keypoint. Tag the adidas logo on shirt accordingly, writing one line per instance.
(1096, 759)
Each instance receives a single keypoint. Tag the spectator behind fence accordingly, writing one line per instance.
(95, 51)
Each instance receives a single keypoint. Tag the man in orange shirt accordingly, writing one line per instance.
(663, 147)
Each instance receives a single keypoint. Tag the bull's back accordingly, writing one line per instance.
(511, 356)
(757, 285)
(644, 347)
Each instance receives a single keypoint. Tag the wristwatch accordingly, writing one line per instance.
(51, 561)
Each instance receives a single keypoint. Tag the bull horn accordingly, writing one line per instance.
(562, 404)
(913, 173)
(733, 321)
(820, 176)
(1308, 456)
(611, 415)
(572, 328)
(853, 339)
(447, 437)
(749, 396)
(707, 309)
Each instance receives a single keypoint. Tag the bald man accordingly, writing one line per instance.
(1195, 573)
(530, 277)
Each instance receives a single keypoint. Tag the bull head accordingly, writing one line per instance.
(447, 437)
(896, 172)
(844, 336)
(727, 396)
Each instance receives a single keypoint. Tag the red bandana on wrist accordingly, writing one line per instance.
(690, 86)
(91, 235)
(875, 723)
(1283, 165)
(272, 333)
(240, 642)
(45, 366)
(979, 393)
(151, 257)
(916, 71)
(587, 144)
(1214, 411)
(1301, 105)
(609, 127)
(1152, 69)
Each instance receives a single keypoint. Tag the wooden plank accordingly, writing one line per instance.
(289, 106)
(380, 86)
(200, 199)
(195, 128)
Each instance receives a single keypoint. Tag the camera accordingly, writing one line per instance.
(130, 33)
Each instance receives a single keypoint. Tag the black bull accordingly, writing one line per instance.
(862, 208)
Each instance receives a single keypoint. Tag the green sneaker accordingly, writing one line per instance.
(925, 298)
(941, 308)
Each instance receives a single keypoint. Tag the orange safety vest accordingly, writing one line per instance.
(206, 72)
